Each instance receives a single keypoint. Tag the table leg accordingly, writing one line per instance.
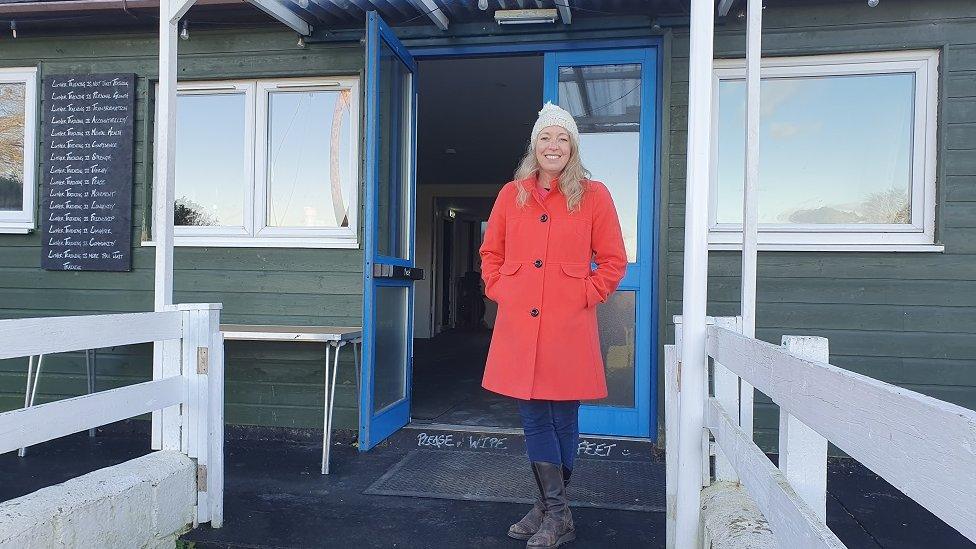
(27, 393)
(325, 410)
(90, 373)
(328, 429)
(356, 349)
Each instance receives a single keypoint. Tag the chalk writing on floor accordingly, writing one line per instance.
(472, 442)
(596, 449)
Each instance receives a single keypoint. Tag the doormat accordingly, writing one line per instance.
(486, 476)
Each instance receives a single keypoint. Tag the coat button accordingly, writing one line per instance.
(544, 218)
(538, 263)
(534, 312)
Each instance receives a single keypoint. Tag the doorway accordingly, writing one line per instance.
(472, 131)
(475, 108)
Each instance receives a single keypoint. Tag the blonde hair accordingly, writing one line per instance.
(570, 180)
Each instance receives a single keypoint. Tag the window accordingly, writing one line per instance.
(267, 163)
(847, 152)
(18, 137)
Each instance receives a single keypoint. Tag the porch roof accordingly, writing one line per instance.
(46, 15)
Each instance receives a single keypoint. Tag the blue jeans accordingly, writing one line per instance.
(551, 430)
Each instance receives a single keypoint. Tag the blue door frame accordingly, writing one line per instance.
(376, 425)
(641, 420)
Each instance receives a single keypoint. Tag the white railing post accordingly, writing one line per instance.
(670, 437)
(750, 198)
(695, 271)
(727, 394)
(200, 355)
(802, 451)
(215, 475)
(164, 182)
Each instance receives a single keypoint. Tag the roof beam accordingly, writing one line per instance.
(564, 13)
(432, 11)
(178, 9)
(724, 6)
(277, 9)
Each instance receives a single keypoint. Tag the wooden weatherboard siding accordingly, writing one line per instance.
(904, 318)
(267, 383)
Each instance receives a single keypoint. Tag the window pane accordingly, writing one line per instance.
(393, 193)
(310, 178)
(390, 361)
(618, 319)
(210, 160)
(605, 101)
(12, 146)
(833, 149)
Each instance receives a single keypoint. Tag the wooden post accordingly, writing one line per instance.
(202, 358)
(802, 451)
(750, 198)
(164, 181)
(215, 475)
(695, 286)
(670, 438)
(727, 394)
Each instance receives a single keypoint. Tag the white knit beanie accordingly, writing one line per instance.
(554, 115)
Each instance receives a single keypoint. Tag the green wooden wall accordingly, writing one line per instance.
(266, 383)
(905, 318)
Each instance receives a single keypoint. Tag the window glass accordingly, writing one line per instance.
(605, 102)
(310, 177)
(12, 108)
(833, 150)
(211, 160)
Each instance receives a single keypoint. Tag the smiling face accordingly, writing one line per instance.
(552, 149)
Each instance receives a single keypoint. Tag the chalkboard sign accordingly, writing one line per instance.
(87, 172)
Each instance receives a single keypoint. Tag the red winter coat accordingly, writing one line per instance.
(535, 261)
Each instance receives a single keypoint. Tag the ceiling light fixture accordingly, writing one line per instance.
(525, 17)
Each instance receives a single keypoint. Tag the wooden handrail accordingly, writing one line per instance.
(923, 446)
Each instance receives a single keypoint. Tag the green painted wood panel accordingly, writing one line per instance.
(266, 384)
(905, 318)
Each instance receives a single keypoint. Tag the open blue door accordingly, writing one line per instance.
(612, 94)
(389, 273)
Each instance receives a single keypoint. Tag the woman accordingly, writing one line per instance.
(545, 230)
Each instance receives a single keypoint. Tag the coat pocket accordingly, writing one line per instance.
(505, 272)
(578, 271)
(509, 268)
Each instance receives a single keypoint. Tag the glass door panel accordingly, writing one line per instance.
(612, 95)
(605, 100)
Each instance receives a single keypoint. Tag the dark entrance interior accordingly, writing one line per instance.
(474, 119)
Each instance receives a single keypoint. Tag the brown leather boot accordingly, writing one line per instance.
(529, 525)
(557, 523)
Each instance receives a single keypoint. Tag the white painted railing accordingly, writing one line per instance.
(191, 395)
(923, 446)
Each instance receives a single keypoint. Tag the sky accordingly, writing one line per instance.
(210, 157)
(825, 142)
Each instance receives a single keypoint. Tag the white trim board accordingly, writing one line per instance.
(22, 221)
(255, 230)
(919, 234)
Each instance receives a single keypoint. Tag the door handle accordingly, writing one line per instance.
(397, 272)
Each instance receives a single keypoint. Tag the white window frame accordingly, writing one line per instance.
(255, 232)
(919, 235)
(22, 222)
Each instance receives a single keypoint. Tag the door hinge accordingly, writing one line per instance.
(201, 478)
(678, 375)
(203, 360)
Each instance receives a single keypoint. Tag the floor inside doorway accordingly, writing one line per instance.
(447, 372)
